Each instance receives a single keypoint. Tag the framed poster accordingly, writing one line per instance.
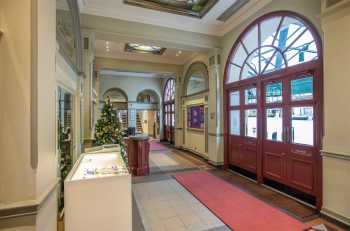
(195, 117)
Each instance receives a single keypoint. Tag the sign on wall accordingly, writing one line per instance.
(195, 117)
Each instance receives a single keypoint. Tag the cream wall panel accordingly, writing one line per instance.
(336, 196)
(194, 140)
(337, 84)
(17, 179)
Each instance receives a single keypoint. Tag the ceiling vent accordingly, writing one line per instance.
(232, 10)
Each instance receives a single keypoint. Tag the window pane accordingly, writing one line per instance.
(234, 98)
(274, 124)
(235, 123)
(250, 123)
(251, 66)
(240, 55)
(250, 96)
(269, 29)
(233, 74)
(250, 40)
(302, 125)
(302, 89)
(273, 92)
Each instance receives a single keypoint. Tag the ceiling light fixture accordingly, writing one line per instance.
(144, 49)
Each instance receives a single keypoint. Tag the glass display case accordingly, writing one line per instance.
(98, 193)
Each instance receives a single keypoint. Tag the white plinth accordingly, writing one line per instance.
(98, 194)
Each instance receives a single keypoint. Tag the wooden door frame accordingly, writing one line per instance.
(315, 66)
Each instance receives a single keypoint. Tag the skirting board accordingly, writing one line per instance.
(336, 218)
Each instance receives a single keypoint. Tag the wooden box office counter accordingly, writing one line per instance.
(98, 194)
(138, 154)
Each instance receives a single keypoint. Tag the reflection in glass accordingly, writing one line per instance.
(274, 124)
(284, 42)
(250, 96)
(234, 98)
(251, 123)
(302, 89)
(273, 92)
(302, 131)
(235, 123)
(196, 83)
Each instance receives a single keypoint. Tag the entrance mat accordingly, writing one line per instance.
(236, 208)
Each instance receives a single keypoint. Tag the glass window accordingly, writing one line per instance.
(251, 123)
(274, 124)
(302, 131)
(196, 83)
(235, 123)
(234, 98)
(250, 96)
(284, 41)
(169, 91)
(273, 92)
(302, 89)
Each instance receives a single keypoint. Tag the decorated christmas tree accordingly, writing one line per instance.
(107, 128)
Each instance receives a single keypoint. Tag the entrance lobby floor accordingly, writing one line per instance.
(162, 204)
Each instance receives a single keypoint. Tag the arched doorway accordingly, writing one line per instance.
(169, 111)
(273, 105)
(147, 116)
(119, 100)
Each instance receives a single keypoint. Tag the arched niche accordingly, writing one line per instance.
(116, 95)
(196, 79)
(147, 96)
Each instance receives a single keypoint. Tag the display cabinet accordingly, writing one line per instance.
(98, 193)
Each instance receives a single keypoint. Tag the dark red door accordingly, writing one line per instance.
(169, 121)
(289, 126)
(243, 114)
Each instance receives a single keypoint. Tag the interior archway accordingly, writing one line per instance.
(273, 97)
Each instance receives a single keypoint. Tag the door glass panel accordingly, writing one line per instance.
(234, 98)
(250, 96)
(273, 92)
(274, 124)
(302, 131)
(251, 123)
(173, 119)
(235, 122)
(302, 89)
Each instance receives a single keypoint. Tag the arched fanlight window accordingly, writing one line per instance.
(274, 43)
(169, 91)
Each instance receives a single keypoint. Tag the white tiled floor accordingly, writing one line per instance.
(165, 205)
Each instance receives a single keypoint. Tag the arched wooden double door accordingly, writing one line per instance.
(169, 111)
(273, 97)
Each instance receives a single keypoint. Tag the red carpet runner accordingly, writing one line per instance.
(237, 209)
(155, 145)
